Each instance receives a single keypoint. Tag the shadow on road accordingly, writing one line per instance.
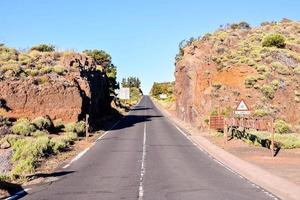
(54, 174)
(12, 188)
(131, 120)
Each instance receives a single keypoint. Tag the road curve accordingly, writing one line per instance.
(146, 157)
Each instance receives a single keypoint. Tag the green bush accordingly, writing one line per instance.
(31, 72)
(70, 127)
(58, 124)
(42, 123)
(58, 144)
(281, 127)
(276, 65)
(250, 81)
(268, 91)
(261, 69)
(297, 70)
(80, 127)
(69, 136)
(43, 48)
(39, 133)
(23, 127)
(283, 70)
(45, 70)
(26, 153)
(42, 80)
(275, 84)
(260, 112)
(58, 69)
(274, 40)
(288, 141)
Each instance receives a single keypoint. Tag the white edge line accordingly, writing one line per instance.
(18, 194)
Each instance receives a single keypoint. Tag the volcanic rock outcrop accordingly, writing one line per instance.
(63, 86)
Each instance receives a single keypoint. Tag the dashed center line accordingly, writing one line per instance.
(143, 166)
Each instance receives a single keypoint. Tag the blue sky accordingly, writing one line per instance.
(141, 36)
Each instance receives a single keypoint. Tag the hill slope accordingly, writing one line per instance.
(260, 65)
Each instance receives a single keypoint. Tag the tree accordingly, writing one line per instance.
(104, 59)
(131, 82)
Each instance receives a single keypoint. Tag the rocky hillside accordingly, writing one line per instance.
(260, 65)
(63, 85)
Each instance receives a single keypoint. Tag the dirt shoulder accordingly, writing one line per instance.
(284, 168)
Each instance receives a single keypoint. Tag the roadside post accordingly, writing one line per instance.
(272, 137)
(87, 134)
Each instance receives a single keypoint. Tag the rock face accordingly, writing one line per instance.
(217, 71)
(69, 96)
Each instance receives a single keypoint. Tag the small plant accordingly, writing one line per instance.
(217, 85)
(274, 40)
(283, 70)
(268, 91)
(275, 84)
(70, 127)
(297, 70)
(58, 144)
(27, 152)
(261, 69)
(39, 133)
(58, 69)
(42, 123)
(45, 70)
(80, 127)
(260, 112)
(42, 80)
(281, 126)
(250, 81)
(31, 72)
(58, 124)
(23, 127)
(276, 65)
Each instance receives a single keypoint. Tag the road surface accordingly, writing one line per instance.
(146, 157)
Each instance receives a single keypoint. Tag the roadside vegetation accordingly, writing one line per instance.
(34, 140)
(164, 94)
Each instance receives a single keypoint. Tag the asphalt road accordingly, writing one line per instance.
(146, 157)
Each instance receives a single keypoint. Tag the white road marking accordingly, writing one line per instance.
(77, 157)
(143, 167)
(18, 194)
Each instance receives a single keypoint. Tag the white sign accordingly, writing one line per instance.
(242, 109)
(124, 93)
(163, 96)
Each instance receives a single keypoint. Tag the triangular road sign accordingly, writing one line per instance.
(242, 106)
